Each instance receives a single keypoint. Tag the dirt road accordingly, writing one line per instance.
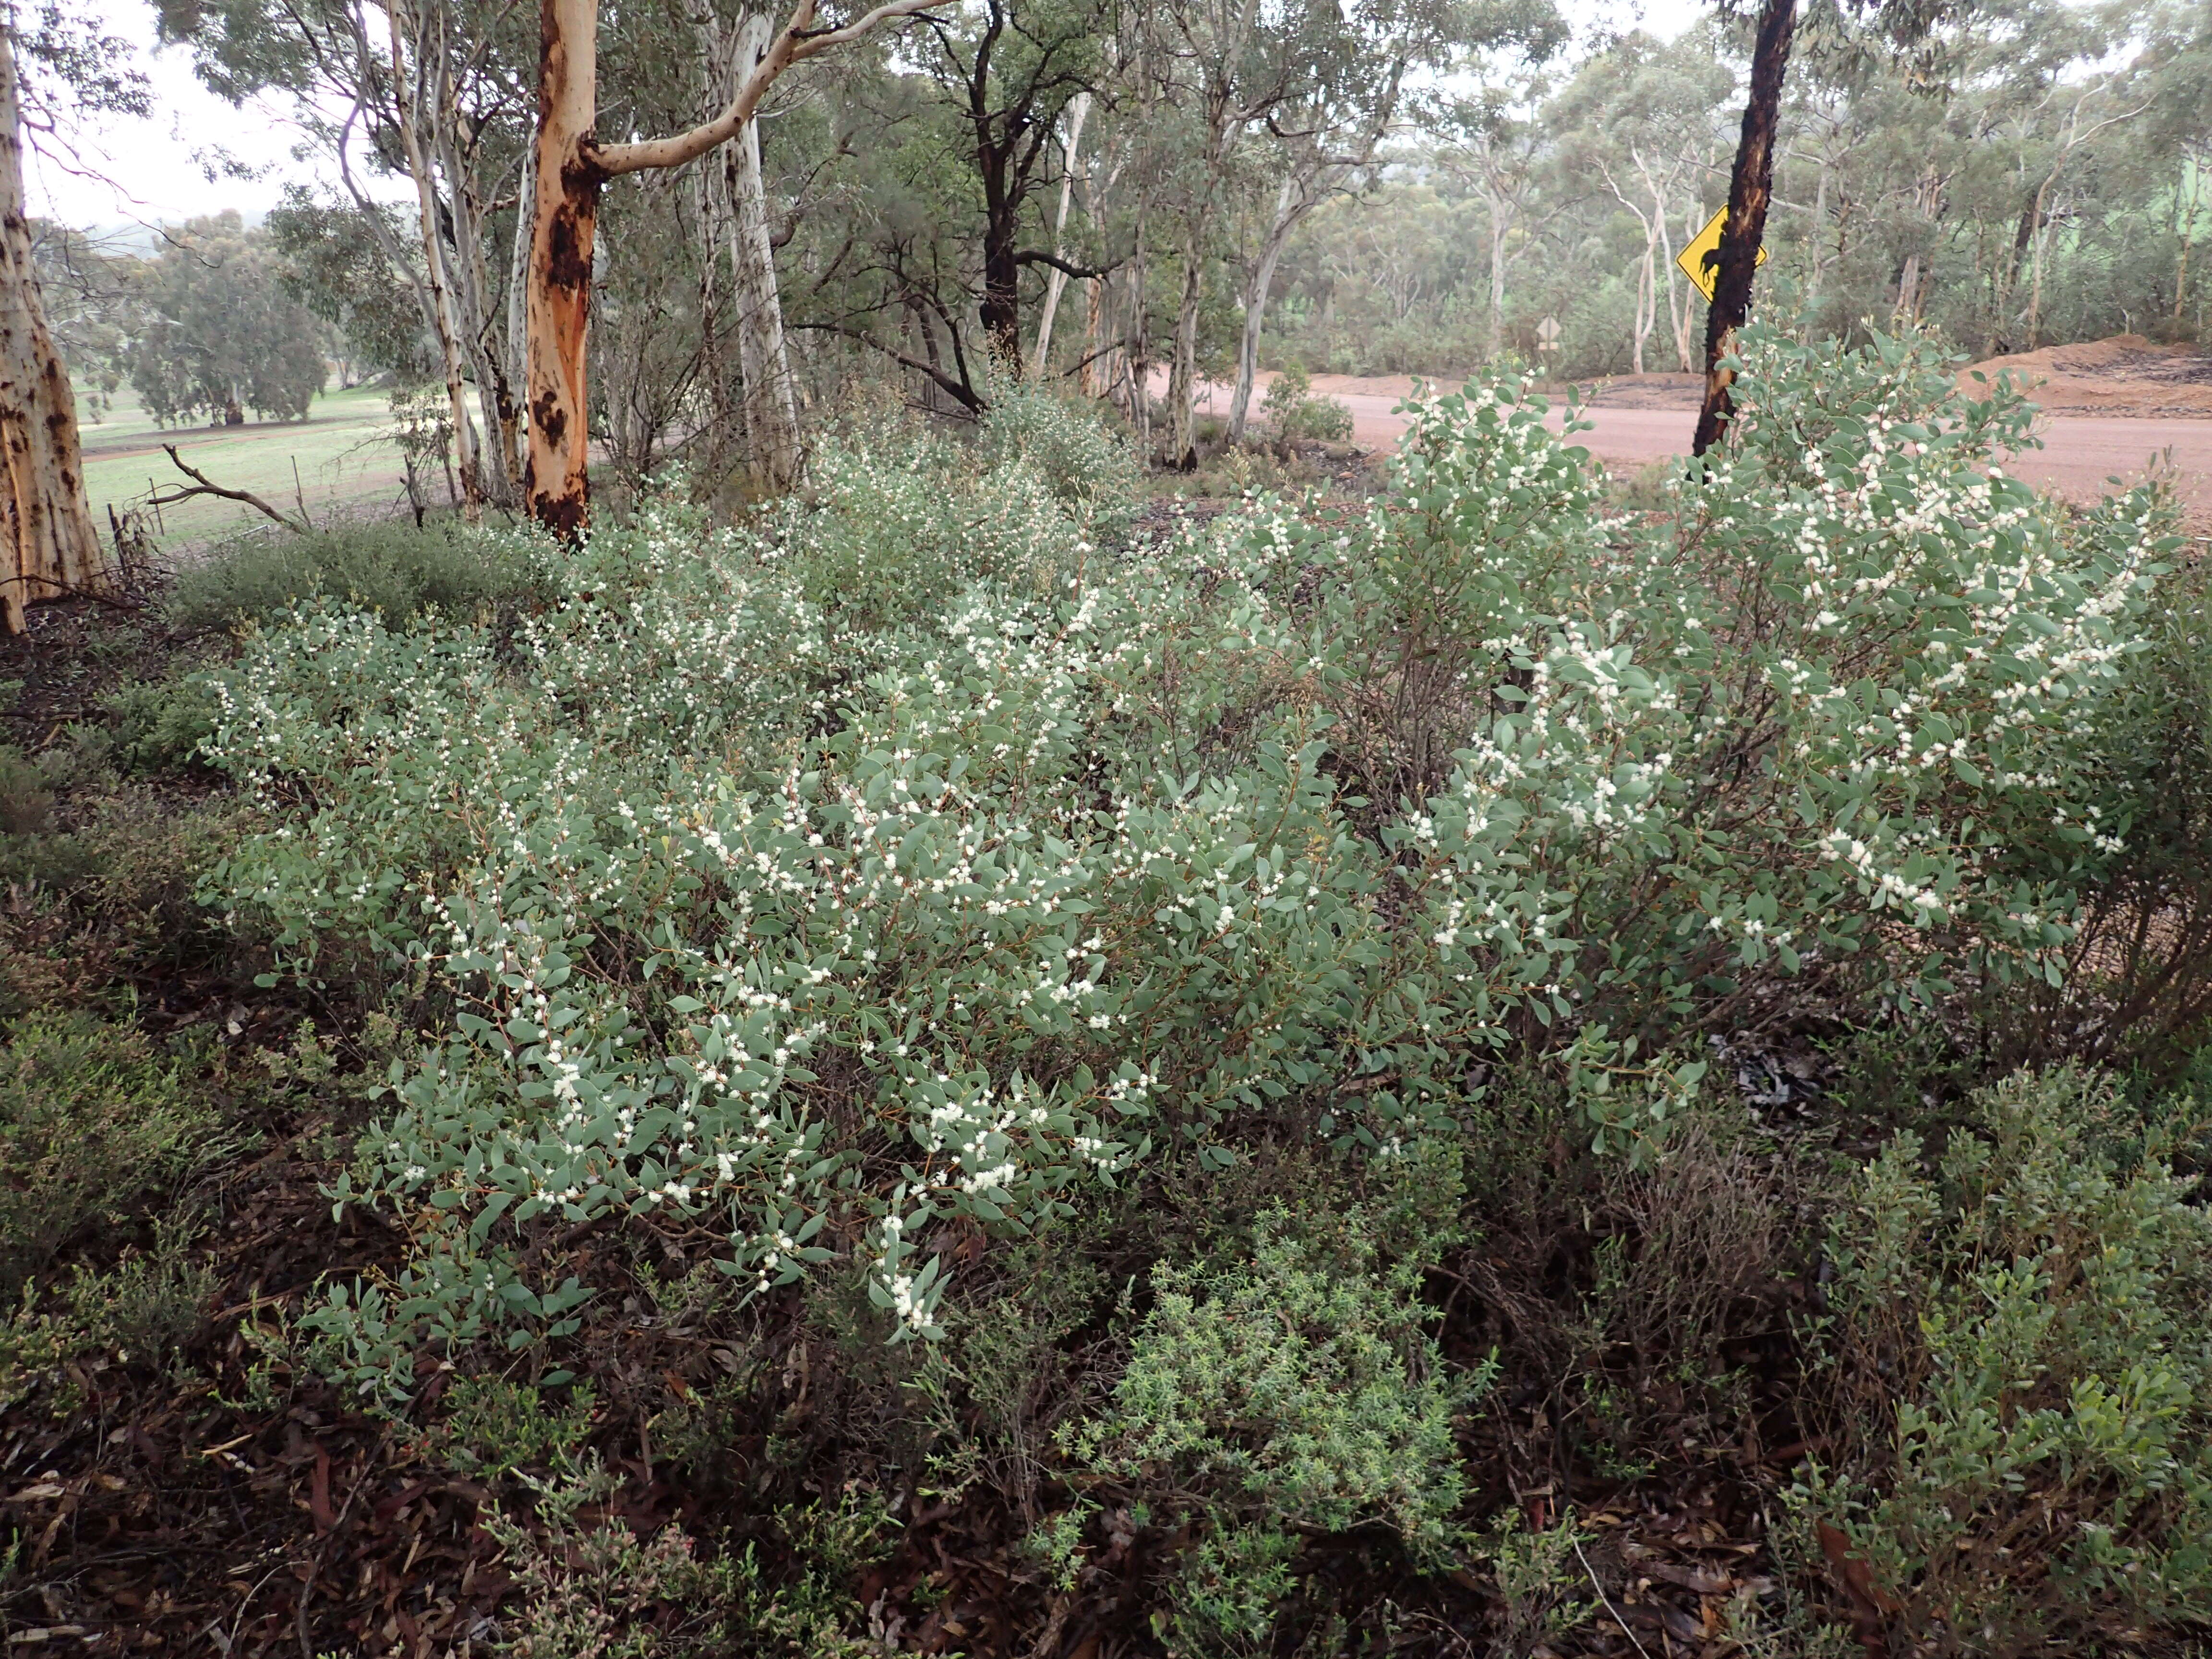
(2080, 453)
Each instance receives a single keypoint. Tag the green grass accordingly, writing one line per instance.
(341, 464)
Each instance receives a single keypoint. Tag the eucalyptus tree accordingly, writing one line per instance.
(85, 284)
(687, 350)
(1494, 143)
(216, 333)
(885, 257)
(1351, 94)
(1010, 72)
(572, 168)
(2179, 66)
(333, 262)
(434, 92)
(1638, 121)
(53, 548)
(1224, 66)
(1079, 111)
(1852, 27)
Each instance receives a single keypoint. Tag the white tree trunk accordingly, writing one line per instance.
(518, 288)
(1678, 295)
(500, 478)
(771, 402)
(412, 100)
(43, 513)
(1257, 287)
(1078, 108)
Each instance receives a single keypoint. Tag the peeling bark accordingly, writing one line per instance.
(43, 512)
(556, 478)
(572, 167)
(771, 402)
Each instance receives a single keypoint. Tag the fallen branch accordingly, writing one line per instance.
(204, 485)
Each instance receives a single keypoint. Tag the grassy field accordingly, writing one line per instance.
(336, 461)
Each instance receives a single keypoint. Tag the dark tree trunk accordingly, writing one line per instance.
(1750, 189)
(1001, 308)
(999, 135)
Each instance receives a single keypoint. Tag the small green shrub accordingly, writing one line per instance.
(112, 901)
(1293, 412)
(91, 1121)
(152, 1301)
(36, 1349)
(2138, 982)
(601, 1591)
(992, 1393)
(495, 1426)
(159, 728)
(1651, 487)
(1542, 1585)
(1293, 1392)
(27, 803)
(390, 568)
(1066, 440)
(141, 1312)
(2021, 1341)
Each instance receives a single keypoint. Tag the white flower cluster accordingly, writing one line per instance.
(911, 859)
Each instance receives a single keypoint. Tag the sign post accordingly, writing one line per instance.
(1700, 257)
(1547, 338)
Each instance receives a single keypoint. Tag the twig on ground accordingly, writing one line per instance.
(204, 485)
(1604, 1600)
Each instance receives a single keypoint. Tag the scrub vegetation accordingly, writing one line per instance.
(964, 1063)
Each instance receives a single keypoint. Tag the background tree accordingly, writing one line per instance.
(1637, 125)
(1896, 25)
(1008, 70)
(1330, 129)
(333, 262)
(219, 334)
(54, 549)
(433, 92)
(86, 285)
(1304, 194)
(571, 168)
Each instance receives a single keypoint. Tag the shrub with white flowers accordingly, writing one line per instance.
(911, 860)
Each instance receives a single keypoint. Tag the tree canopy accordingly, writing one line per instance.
(218, 333)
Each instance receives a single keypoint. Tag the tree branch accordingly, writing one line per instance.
(1035, 257)
(797, 43)
(204, 485)
(967, 395)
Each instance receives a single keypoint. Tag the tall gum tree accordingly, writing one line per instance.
(55, 549)
(572, 168)
(1899, 24)
(1011, 71)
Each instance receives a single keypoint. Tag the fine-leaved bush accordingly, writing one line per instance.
(2025, 1319)
(913, 856)
(1293, 1392)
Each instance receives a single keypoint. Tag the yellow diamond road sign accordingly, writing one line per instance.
(1701, 259)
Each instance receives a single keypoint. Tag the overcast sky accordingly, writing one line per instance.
(148, 171)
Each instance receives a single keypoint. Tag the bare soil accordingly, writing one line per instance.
(2112, 409)
(2126, 375)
